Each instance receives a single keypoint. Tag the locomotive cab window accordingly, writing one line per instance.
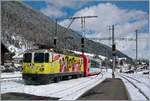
(27, 57)
(39, 57)
(46, 57)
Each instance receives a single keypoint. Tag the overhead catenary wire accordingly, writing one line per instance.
(72, 20)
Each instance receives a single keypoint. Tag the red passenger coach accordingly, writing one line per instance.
(91, 66)
(86, 64)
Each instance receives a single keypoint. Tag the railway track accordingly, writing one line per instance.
(138, 81)
(4, 79)
(132, 82)
(11, 77)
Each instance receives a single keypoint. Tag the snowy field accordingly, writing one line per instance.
(65, 90)
(137, 84)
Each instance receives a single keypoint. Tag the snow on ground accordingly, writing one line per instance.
(141, 81)
(75, 93)
(12, 48)
(74, 88)
(143, 78)
(65, 90)
(141, 72)
(143, 84)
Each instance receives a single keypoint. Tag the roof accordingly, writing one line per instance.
(50, 50)
(38, 50)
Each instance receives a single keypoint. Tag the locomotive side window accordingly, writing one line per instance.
(27, 57)
(39, 57)
(46, 57)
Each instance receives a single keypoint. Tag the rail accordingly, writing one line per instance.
(127, 78)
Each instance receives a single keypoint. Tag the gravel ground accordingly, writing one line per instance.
(109, 89)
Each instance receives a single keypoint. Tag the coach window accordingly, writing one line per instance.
(46, 57)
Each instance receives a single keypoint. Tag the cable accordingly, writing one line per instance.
(68, 26)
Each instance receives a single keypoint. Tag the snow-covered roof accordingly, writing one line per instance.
(39, 50)
(90, 55)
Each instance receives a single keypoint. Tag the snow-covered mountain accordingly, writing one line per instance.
(16, 43)
(25, 28)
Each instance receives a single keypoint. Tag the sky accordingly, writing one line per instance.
(127, 16)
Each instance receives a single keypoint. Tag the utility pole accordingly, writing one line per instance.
(136, 47)
(113, 52)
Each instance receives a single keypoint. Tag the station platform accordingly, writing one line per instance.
(23, 96)
(109, 89)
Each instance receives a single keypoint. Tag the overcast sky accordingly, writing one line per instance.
(127, 16)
